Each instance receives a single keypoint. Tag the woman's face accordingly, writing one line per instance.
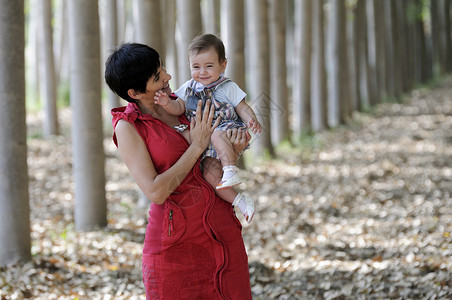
(206, 67)
(159, 81)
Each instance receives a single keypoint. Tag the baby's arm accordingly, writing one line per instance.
(247, 114)
(174, 107)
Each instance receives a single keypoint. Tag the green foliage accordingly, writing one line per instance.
(63, 95)
(303, 147)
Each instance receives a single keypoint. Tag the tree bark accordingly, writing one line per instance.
(279, 106)
(338, 100)
(212, 16)
(147, 24)
(318, 87)
(260, 74)
(302, 70)
(47, 68)
(14, 199)
(189, 24)
(109, 41)
(371, 51)
(233, 36)
(389, 49)
(169, 29)
(87, 135)
(378, 7)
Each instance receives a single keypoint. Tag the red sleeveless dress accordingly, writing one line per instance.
(193, 248)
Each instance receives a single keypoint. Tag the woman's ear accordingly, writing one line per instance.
(134, 94)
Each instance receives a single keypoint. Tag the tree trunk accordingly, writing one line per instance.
(47, 68)
(260, 73)
(318, 88)
(389, 49)
(371, 50)
(378, 7)
(14, 199)
(109, 41)
(422, 71)
(87, 135)
(233, 36)
(338, 100)
(169, 29)
(61, 43)
(352, 55)
(447, 35)
(212, 16)
(189, 24)
(302, 70)
(362, 57)
(436, 39)
(279, 106)
(147, 24)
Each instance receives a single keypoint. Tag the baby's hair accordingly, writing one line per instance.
(206, 41)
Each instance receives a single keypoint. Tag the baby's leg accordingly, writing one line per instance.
(212, 172)
(224, 148)
(228, 158)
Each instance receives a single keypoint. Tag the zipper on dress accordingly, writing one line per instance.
(170, 227)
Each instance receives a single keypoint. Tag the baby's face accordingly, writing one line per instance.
(206, 67)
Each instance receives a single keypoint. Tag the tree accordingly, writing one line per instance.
(371, 50)
(279, 106)
(260, 72)
(109, 27)
(169, 28)
(47, 68)
(389, 49)
(318, 83)
(147, 24)
(378, 8)
(14, 206)
(302, 69)
(362, 57)
(233, 36)
(448, 34)
(87, 135)
(212, 16)
(338, 99)
(189, 23)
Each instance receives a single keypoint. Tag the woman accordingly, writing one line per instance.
(193, 247)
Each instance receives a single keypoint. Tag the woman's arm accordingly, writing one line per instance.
(133, 151)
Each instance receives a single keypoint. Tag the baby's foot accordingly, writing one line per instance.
(246, 206)
(230, 178)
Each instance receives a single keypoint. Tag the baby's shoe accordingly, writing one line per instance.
(230, 178)
(246, 206)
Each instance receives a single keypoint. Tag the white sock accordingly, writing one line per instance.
(229, 171)
(240, 203)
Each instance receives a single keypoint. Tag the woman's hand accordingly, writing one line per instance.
(201, 127)
(239, 139)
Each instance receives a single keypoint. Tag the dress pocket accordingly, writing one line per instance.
(174, 223)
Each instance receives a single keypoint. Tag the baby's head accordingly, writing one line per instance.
(204, 42)
(206, 58)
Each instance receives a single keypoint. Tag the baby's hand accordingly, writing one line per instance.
(254, 126)
(161, 98)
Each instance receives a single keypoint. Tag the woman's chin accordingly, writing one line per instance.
(167, 90)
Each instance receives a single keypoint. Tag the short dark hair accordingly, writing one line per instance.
(206, 41)
(129, 67)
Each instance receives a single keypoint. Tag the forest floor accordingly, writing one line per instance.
(363, 211)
